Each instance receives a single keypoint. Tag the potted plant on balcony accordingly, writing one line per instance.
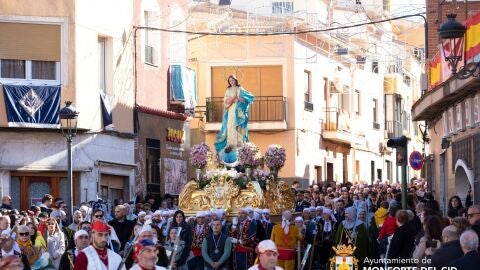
(275, 157)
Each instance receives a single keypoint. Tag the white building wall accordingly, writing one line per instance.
(42, 151)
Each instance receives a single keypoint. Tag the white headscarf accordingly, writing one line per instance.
(286, 216)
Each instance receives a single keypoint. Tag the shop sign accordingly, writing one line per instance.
(175, 135)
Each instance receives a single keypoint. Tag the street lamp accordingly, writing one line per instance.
(452, 34)
(68, 123)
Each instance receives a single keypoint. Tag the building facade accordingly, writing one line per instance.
(329, 104)
(450, 107)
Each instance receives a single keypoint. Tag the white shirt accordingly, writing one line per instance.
(255, 267)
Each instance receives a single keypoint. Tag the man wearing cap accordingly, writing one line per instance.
(267, 256)
(145, 256)
(7, 242)
(82, 240)
(216, 248)
(113, 241)
(97, 256)
(244, 240)
(286, 237)
(199, 232)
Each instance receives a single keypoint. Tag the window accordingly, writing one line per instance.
(153, 161)
(282, 7)
(29, 70)
(152, 38)
(389, 170)
(375, 110)
(102, 48)
(32, 53)
(307, 88)
(178, 41)
(356, 102)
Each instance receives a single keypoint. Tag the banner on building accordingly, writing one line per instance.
(32, 106)
(175, 175)
(107, 106)
(183, 87)
(472, 38)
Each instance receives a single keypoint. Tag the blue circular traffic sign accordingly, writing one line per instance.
(416, 160)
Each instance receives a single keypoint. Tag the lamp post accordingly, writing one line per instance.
(68, 123)
(452, 34)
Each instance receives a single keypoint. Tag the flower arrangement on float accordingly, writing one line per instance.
(275, 158)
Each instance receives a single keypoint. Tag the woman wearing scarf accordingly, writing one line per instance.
(25, 243)
(286, 237)
(353, 232)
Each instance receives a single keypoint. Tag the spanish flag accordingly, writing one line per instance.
(435, 70)
(472, 37)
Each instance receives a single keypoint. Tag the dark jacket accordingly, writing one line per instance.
(65, 260)
(401, 245)
(470, 261)
(448, 252)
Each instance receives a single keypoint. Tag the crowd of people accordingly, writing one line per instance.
(156, 235)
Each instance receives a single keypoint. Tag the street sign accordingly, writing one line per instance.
(416, 160)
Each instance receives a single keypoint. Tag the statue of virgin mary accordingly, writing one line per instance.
(234, 131)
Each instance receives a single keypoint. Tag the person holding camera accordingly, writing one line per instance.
(442, 253)
(432, 226)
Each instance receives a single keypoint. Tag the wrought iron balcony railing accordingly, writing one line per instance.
(264, 108)
(393, 128)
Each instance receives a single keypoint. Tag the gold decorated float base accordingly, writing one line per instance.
(225, 194)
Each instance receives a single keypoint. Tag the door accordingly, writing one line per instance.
(330, 171)
(443, 182)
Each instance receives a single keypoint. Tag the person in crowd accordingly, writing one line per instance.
(82, 240)
(267, 256)
(353, 231)
(402, 242)
(113, 241)
(461, 224)
(61, 218)
(4, 223)
(146, 256)
(122, 226)
(175, 247)
(77, 218)
(199, 232)
(339, 211)
(47, 201)
(454, 206)
(36, 236)
(388, 229)
(471, 258)
(7, 240)
(267, 223)
(381, 214)
(96, 254)
(55, 241)
(216, 248)
(26, 246)
(244, 241)
(179, 221)
(449, 249)
(286, 237)
(6, 203)
(473, 216)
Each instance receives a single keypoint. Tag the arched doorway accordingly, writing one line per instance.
(463, 179)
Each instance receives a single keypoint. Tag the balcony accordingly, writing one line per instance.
(336, 126)
(393, 128)
(266, 113)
